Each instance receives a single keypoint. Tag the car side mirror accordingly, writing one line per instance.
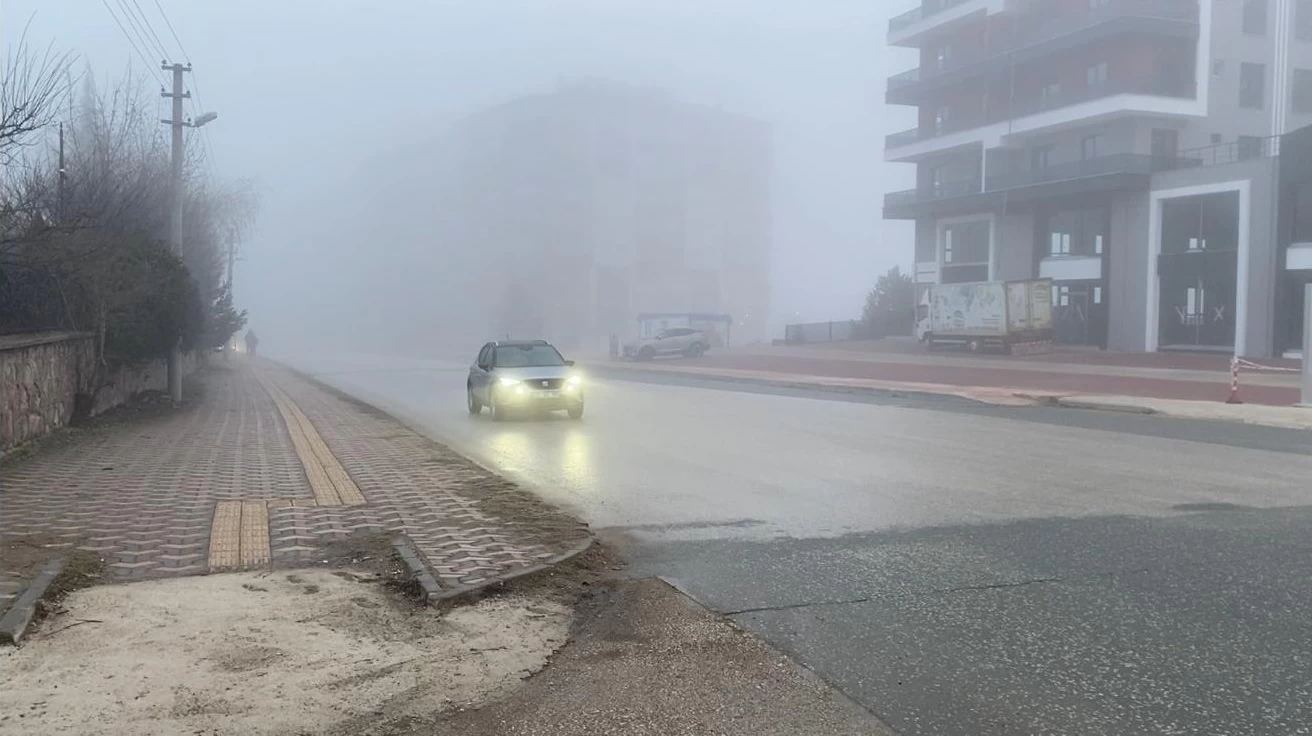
(569, 364)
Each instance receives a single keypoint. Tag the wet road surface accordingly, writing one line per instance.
(955, 568)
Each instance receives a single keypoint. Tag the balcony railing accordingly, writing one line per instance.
(1047, 28)
(1119, 163)
(1218, 154)
(927, 8)
(931, 193)
(1079, 95)
(1045, 103)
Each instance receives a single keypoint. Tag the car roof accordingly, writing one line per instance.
(520, 343)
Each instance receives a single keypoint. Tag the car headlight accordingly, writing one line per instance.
(507, 382)
(574, 381)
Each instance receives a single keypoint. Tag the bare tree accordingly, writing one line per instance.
(33, 87)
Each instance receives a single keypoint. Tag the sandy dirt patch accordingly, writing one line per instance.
(288, 652)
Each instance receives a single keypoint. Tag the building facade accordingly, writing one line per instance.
(581, 208)
(1126, 149)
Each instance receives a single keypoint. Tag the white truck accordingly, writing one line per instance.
(1011, 316)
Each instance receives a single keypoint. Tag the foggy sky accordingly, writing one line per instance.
(310, 94)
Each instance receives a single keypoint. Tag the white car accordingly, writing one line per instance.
(674, 341)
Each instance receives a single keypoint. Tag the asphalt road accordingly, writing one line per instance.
(958, 569)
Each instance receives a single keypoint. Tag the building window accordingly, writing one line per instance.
(1252, 85)
(1303, 19)
(1165, 145)
(965, 254)
(1207, 222)
(941, 118)
(936, 180)
(1096, 77)
(1089, 147)
(1218, 68)
(1255, 17)
(943, 57)
(1250, 146)
(1040, 158)
(1302, 90)
(1077, 232)
(1050, 95)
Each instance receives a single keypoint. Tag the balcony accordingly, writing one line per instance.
(1120, 166)
(908, 29)
(1220, 154)
(943, 199)
(1029, 114)
(1044, 35)
(927, 9)
(1017, 188)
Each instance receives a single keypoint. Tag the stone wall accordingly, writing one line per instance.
(41, 376)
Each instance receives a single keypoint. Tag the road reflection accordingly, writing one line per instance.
(534, 446)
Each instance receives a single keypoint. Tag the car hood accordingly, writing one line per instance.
(524, 374)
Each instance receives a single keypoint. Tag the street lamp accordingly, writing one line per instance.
(203, 118)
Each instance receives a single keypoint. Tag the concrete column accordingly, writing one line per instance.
(1307, 344)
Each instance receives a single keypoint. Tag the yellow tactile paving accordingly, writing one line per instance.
(331, 484)
(225, 535)
(254, 533)
(345, 488)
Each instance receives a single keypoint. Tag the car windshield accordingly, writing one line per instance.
(527, 356)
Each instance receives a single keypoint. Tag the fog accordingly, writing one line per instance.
(333, 108)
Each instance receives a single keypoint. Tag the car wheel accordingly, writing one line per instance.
(697, 351)
(647, 353)
(575, 412)
(475, 406)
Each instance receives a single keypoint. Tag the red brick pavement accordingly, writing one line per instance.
(445, 503)
(1056, 381)
(142, 493)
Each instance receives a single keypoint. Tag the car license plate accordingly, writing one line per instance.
(548, 394)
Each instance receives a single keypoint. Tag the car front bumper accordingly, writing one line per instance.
(539, 399)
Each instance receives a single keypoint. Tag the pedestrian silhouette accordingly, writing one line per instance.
(252, 342)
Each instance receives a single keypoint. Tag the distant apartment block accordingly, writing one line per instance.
(578, 209)
(1127, 149)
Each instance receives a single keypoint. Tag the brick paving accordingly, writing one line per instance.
(145, 494)
(453, 510)
(141, 493)
(952, 372)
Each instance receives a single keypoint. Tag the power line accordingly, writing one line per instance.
(137, 33)
(186, 57)
(164, 54)
(149, 67)
(135, 29)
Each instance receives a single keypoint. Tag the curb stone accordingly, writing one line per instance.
(434, 593)
(1095, 406)
(16, 620)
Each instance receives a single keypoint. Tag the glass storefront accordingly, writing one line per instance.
(1197, 268)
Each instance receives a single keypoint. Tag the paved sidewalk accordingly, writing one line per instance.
(266, 470)
(1188, 377)
(1287, 417)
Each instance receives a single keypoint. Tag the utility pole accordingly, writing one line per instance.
(232, 257)
(63, 174)
(175, 207)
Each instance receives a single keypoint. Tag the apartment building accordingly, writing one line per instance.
(577, 209)
(1127, 149)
